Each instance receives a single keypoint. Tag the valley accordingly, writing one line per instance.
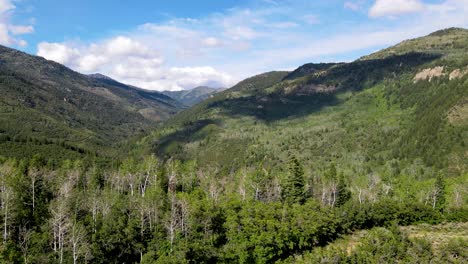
(347, 162)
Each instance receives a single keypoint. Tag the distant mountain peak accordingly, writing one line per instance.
(448, 31)
(193, 96)
(100, 76)
(441, 42)
(91, 111)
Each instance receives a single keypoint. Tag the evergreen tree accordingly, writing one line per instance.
(294, 188)
(439, 193)
(331, 172)
(343, 193)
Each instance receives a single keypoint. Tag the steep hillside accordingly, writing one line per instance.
(193, 96)
(331, 163)
(309, 68)
(403, 113)
(48, 108)
(412, 244)
(449, 42)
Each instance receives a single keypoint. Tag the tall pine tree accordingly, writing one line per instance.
(439, 193)
(294, 191)
(343, 194)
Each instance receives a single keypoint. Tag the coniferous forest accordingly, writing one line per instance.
(359, 162)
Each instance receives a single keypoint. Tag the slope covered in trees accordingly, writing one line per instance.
(384, 114)
(47, 108)
(149, 211)
(333, 163)
(193, 96)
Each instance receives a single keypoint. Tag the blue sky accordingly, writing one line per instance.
(173, 45)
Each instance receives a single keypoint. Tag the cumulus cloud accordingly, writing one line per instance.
(6, 5)
(131, 61)
(395, 7)
(449, 13)
(180, 78)
(57, 52)
(8, 30)
(223, 48)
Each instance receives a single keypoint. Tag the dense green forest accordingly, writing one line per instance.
(193, 96)
(360, 162)
(48, 109)
(150, 211)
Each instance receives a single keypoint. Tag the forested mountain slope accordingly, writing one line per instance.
(193, 96)
(330, 163)
(412, 244)
(403, 108)
(49, 109)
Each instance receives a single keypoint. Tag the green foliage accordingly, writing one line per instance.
(275, 167)
(386, 245)
(153, 212)
(294, 191)
(49, 109)
(343, 193)
(193, 96)
(440, 193)
(454, 251)
(369, 117)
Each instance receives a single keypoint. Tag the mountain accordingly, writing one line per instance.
(398, 109)
(47, 108)
(359, 162)
(193, 96)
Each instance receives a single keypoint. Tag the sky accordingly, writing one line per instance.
(176, 45)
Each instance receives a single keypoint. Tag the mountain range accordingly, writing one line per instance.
(45, 105)
(405, 104)
(193, 96)
(357, 162)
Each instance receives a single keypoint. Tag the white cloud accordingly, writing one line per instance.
(6, 5)
(9, 31)
(20, 30)
(240, 32)
(212, 42)
(395, 7)
(450, 13)
(89, 63)
(223, 48)
(130, 61)
(124, 46)
(57, 52)
(174, 78)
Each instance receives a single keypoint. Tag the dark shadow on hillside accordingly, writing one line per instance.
(354, 76)
(171, 145)
(363, 74)
(275, 107)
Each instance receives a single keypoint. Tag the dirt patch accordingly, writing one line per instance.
(102, 91)
(458, 73)
(150, 113)
(438, 235)
(429, 74)
(459, 113)
(310, 89)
